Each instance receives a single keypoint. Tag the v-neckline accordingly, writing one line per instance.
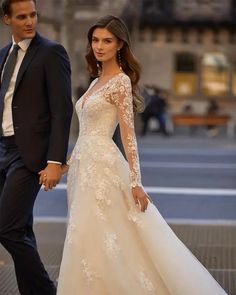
(90, 93)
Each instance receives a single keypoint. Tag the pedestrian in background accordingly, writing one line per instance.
(212, 109)
(156, 107)
(35, 115)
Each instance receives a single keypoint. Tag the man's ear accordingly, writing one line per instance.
(7, 19)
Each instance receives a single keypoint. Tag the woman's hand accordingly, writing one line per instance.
(141, 198)
(64, 168)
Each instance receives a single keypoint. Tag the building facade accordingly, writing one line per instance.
(189, 48)
(185, 47)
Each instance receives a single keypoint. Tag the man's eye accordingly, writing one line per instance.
(21, 17)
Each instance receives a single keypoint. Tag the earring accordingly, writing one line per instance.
(98, 69)
(119, 59)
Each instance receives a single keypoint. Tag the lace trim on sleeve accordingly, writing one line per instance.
(121, 97)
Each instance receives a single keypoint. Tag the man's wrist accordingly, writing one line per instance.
(54, 163)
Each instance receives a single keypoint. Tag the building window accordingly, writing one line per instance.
(185, 76)
(215, 74)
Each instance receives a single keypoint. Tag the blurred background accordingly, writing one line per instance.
(186, 135)
(185, 47)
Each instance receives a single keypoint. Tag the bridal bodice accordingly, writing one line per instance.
(100, 111)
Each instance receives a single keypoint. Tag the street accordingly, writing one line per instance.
(187, 178)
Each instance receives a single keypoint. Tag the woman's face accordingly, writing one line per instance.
(104, 45)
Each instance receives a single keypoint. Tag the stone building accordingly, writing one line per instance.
(185, 47)
(188, 48)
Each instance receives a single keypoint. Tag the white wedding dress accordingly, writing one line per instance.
(112, 248)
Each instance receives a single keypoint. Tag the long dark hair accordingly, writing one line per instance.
(129, 63)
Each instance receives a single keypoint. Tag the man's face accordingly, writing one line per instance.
(23, 20)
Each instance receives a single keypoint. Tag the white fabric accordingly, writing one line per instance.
(111, 248)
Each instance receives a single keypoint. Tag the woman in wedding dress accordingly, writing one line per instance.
(117, 242)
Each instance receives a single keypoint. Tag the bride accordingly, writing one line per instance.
(117, 242)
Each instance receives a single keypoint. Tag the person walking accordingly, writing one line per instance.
(117, 242)
(35, 115)
(155, 108)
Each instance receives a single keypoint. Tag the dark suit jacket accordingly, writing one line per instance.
(41, 105)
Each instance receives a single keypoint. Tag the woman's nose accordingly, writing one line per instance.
(99, 45)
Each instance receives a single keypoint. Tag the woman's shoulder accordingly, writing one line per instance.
(124, 79)
(124, 76)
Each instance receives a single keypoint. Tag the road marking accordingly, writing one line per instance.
(184, 221)
(178, 190)
(50, 219)
(191, 191)
(174, 221)
(149, 164)
(186, 151)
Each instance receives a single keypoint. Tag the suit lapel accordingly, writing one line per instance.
(3, 58)
(31, 51)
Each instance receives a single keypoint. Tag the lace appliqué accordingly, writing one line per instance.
(146, 284)
(121, 97)
(111, 245)
(102, 199)
(71, 226)
(134, 216)
(89, 274)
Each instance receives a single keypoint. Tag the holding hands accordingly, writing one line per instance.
(50, 176)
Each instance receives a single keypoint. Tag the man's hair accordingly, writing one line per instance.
(6, 5)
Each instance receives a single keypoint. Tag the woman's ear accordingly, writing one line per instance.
(120, 44)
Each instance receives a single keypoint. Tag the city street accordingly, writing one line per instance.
(187, 178)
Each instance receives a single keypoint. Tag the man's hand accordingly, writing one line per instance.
(50, 176)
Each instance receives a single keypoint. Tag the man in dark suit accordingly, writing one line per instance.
(35, 115)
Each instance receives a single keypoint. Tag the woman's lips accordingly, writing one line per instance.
(99, 54)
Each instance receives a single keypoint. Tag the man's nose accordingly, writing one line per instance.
(29, 21)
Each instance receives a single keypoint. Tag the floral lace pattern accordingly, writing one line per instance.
(146, 284)
(102, 198)
(114, 101)
(71, 225)
(111, 245)
(121, 97)
(134, 216)
(89, 274)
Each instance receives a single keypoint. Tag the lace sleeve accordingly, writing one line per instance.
(121, 97)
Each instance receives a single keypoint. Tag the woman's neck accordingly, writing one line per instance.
(110, 70)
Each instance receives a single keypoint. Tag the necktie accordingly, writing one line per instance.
(6, 78)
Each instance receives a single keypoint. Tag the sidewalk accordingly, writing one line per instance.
(214, 246)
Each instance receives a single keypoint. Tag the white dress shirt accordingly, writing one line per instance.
(7, 123)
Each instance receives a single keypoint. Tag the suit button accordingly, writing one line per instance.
(16, 127)
(15, 107)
